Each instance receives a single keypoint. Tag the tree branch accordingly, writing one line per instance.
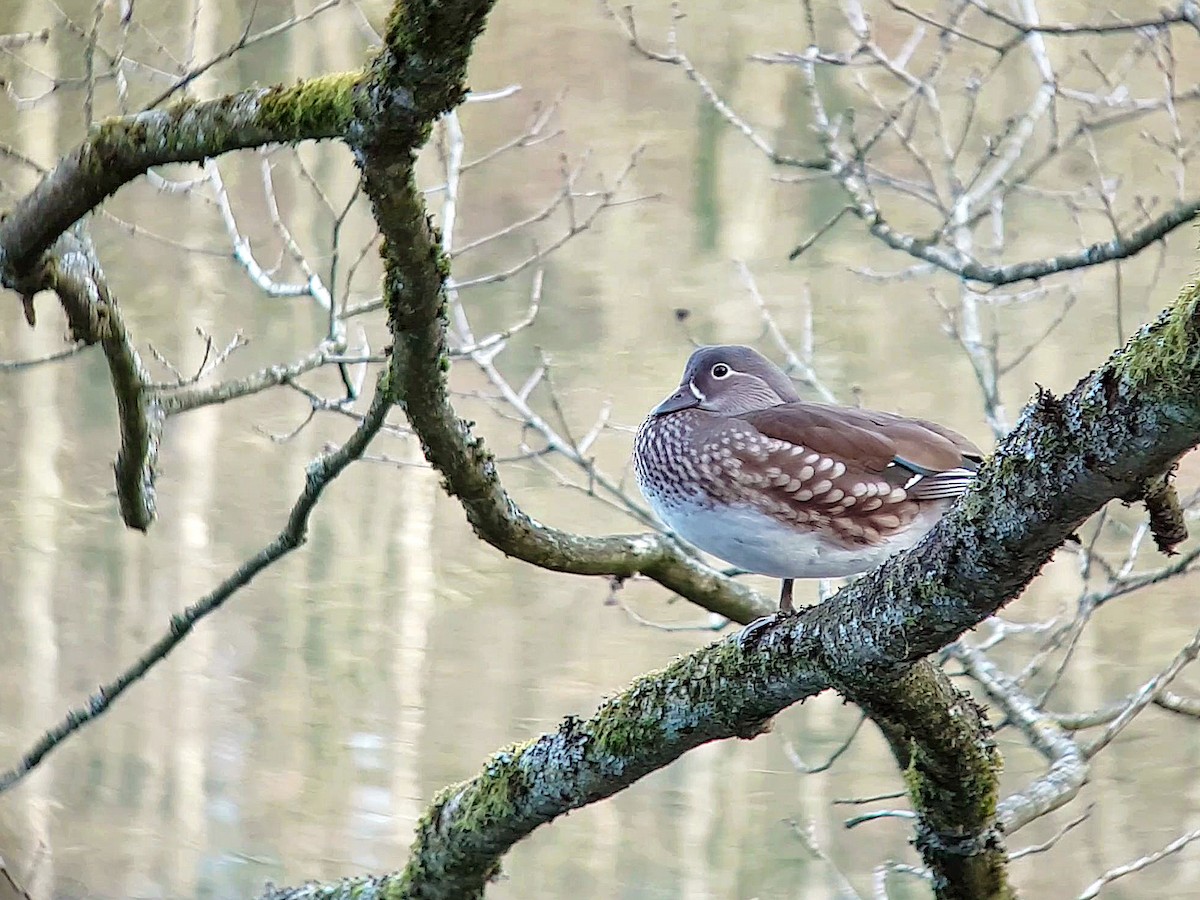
(942, 743)
(1113, 435)
(73, 272)
(119, 150)
(318, 475)
(1064, 460)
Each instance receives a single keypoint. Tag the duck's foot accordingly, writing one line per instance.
(752, 633)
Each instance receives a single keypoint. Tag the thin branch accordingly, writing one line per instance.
(17, 365)
(1068, 764)
(1093, 890)
(246, 40)
(1053, 840)
(319, 473)
(629, 27)
(1145, 696)
(809, 769)
(1185, 14)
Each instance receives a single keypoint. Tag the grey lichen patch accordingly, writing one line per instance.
(365, 887)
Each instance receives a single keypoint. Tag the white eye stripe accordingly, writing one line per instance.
(696, 392)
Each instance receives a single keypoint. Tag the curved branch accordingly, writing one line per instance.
(1064, 460)
(848, 167)
(943, 744)
(1067, 769)
(73, 272)
(420, 357)
(965, 266)
(118, 150)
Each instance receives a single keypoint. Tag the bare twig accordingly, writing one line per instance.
(1093, 889)
(246, 40)
(320, 472)
(810, 769)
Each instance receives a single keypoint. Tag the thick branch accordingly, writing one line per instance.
(1064, 460)
(73, 272)
(942, 742)
(413, 284)
(119, 150)
(421, 357)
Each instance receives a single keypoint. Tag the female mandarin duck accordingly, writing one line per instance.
(737, 464)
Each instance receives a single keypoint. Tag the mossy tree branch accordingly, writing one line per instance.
(120, 149)
(942, 743)
(1123, 425)
(1065, 459)
(44, 245)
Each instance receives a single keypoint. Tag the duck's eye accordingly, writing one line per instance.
(720, 370)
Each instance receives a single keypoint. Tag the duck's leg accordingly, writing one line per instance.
(785, 597)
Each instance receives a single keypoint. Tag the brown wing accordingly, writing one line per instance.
(798, 483)
(858, 473)
(873, 439)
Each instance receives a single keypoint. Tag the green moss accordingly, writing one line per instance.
(914, 784)
(1167, 350)
(620, 735)
(632, 721)
(971, 797)
(477, 805)
(986, 789)
(491, 798)
(316, 107)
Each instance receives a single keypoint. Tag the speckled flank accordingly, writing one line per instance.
(738, 500)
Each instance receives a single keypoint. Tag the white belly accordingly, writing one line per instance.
(752, 540)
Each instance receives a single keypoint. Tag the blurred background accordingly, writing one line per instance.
(299, 733)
